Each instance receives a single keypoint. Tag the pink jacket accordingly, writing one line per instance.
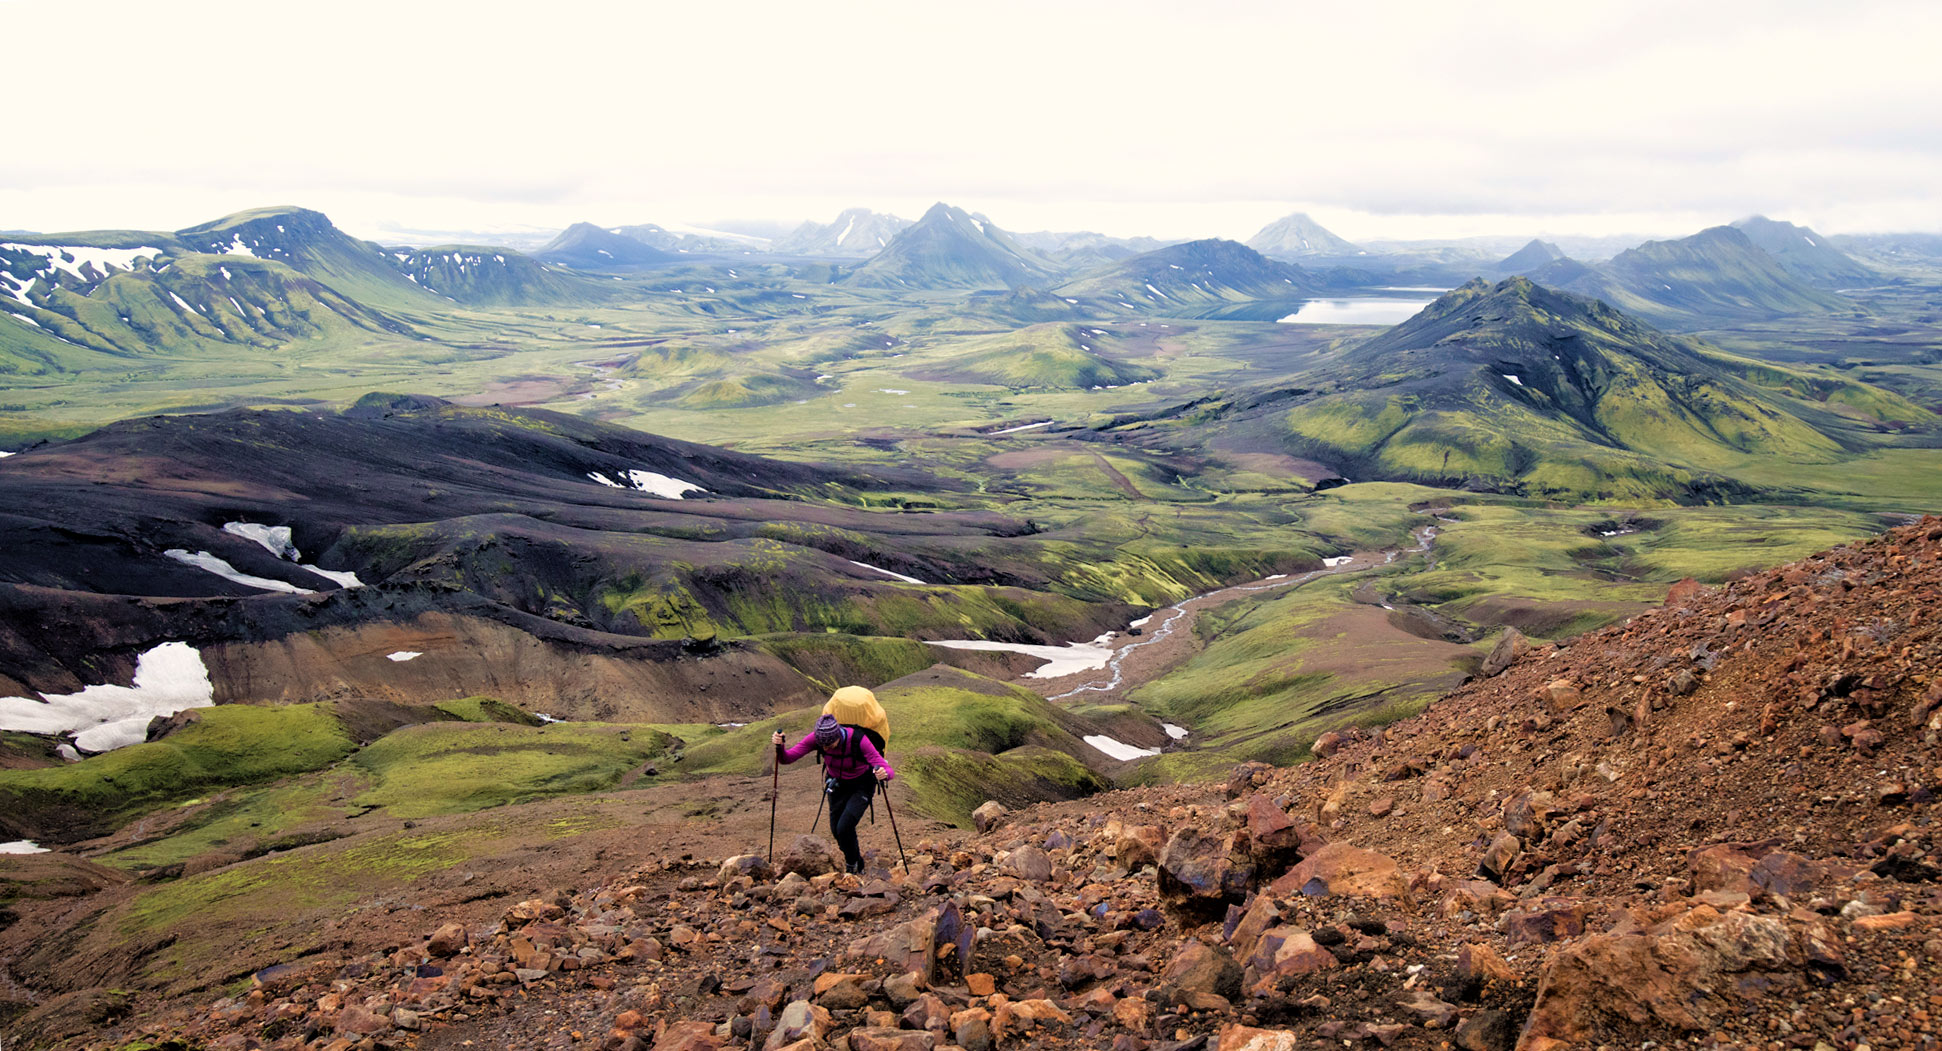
(842, 764)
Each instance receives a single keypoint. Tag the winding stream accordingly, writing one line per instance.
(1174, 613)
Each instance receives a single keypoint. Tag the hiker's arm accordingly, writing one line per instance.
(799, 749)
(882, 765)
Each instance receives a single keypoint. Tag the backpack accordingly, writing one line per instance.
(857, 709)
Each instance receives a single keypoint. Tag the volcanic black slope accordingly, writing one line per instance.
(951, 248)
(585, 246)
(1200, 279)
(1515, 387)
(542, 525)
(1717, 274)
(1295, 236)
(1805, 254)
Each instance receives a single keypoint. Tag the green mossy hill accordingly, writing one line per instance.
(1198, 279)
(1517, 388)
(951, 248)
(488, 710)
(957, 739)
(1054, 356)
(231, 744)
(446, 768)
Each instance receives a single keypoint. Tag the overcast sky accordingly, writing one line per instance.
(1386, 120)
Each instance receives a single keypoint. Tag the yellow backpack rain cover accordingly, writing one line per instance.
(856, 706)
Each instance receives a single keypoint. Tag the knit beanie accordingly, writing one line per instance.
(829, 733)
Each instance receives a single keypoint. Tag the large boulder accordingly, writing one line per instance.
(988, 815)
(916, 946)
(810, 855)
(1200, 969)
(1680, 975)
(754, 866)
(1199, 876)
(1509, 648)
(1340, 869)
(1282, 952)
(1029, 863)
(801, 1020)
(1276, 840)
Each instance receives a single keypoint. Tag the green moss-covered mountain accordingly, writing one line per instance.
(951, 248)
(1518, 388)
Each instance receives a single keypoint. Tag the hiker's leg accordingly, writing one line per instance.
(846, 807)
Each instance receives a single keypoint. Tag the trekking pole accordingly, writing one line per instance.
(775, 789)
(820, 797)
(892, 811)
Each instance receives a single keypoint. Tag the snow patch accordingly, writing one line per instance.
(1338, 560)
(886, 572)
(205, 561)
(1024, 427)
(661, 484)
(168, 678)
(891, 390)
(22, 846)
(1175, 732)
(72, 258)
(237, 247)
(402, 656)
(1514, 380)
(1155, 291)
(24, 318)
(1119, 750)
(840, 238)
(275, 539)
(1069, 659)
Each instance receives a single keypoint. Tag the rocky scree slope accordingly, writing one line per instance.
(1712, 824)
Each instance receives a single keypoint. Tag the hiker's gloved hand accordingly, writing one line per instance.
(882, 774)
(778, 738)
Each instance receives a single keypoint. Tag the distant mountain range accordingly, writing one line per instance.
(952, 248)
(857, 232)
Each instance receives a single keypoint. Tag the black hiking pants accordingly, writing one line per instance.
(848, 800)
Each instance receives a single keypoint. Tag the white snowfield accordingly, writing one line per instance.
(4, 453)
(22, 846)
(1060, 660)
(72, 258)
(168, 678)
(1338, 560)
(1119, 750)
(402, 656)
(1175, 732)
(650, 482)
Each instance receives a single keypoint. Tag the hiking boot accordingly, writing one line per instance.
(854, 868)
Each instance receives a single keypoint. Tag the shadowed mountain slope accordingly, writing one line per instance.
(585, 246)
(1805, 254)
(1716, 274)
(1200, 279)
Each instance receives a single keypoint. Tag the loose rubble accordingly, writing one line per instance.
(1711, 826)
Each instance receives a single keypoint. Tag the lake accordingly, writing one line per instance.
(1358, 310)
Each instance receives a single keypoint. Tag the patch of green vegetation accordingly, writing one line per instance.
(242, 822)
(949, 784)
(230, 744)
(487, 710)
(831, 660)
(444, 768)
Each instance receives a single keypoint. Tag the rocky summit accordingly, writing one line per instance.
(1710, 826)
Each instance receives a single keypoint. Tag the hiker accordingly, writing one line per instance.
(852, 766)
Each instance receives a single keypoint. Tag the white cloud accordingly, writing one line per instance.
(1136, 117)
